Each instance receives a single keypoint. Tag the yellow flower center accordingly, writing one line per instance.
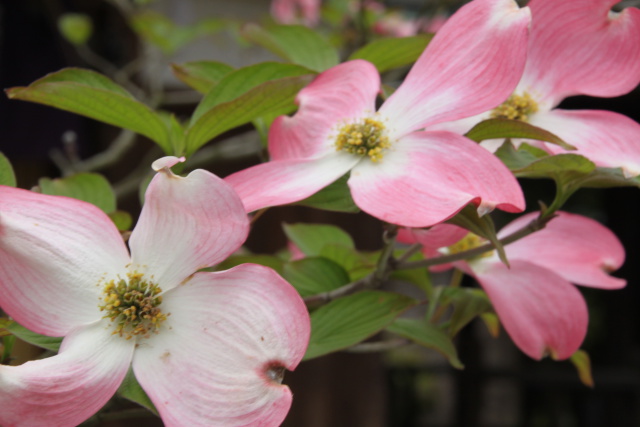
(133, 305)
(517, 107)
(468, 242)
(367, 138)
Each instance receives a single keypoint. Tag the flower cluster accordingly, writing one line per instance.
(209, 347)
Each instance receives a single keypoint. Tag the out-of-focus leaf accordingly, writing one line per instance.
(418, 276)
(201, 75)
(468, 303)
(164, 33)
(271, 98)
(239, 82)
(93, 95)
(582, 362)
(75, 27)
(266, 260)
(427, 335)
(311, 238)
(294, 43)
(90, 187)
(505, 128)
(492, 322)
(314, 275)
(334, 197)
(390, 53)
(49, 343)
(352, 319)
(121, 219)
(7, 177)
(131, 389)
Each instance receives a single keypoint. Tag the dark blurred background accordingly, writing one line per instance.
(413, 387)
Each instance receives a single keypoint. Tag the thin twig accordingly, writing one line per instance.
(535, 225)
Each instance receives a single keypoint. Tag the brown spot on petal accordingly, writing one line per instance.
(275, 372)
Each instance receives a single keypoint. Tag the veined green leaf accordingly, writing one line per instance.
(505, 128)
(315, 275)
(273, 97)
(356, 263)
(311, 238)
(352, 319)
(43, 341)
(468, 303)
(93, 95)
(239, 82)
(294, 43)
(201, 75)
(90, 187)
(334, 197)
(7, 177)
(390, 53)
(427, 335)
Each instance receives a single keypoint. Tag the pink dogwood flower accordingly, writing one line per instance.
(540, 308)
(578, 47)
(209, 348)
(399, 172)
(306, 12)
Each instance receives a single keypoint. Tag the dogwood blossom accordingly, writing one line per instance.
(400, 173)
(578, 47)
(540, 308)
(209, 348)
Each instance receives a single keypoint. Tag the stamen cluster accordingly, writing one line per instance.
(133, 305)
(517, 107)
(366, 138)
(468, 242)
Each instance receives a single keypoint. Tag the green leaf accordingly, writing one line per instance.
(334, 197)
(131, 389)
(520, 158)
(582, 363)
(357, 264)
(121, 219)
(311, 238)
(390, 53)
(418, 276)
(75, 27)
(505, 128)
(427, 335)
(89, 187)
(201, 75)
(239, 82)
(274, 97)
(352, 319)
(49, 343)
(482, 226)
(561, 167)
(492, 322)
(93, 95)
(468, 303)
(7, 177)
(169, 37)
(266, 260)
(294, 43)
(315, 275)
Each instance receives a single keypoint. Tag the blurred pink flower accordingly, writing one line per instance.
(306, 12)
(209, 348)
(534, 298)
(400, 173)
